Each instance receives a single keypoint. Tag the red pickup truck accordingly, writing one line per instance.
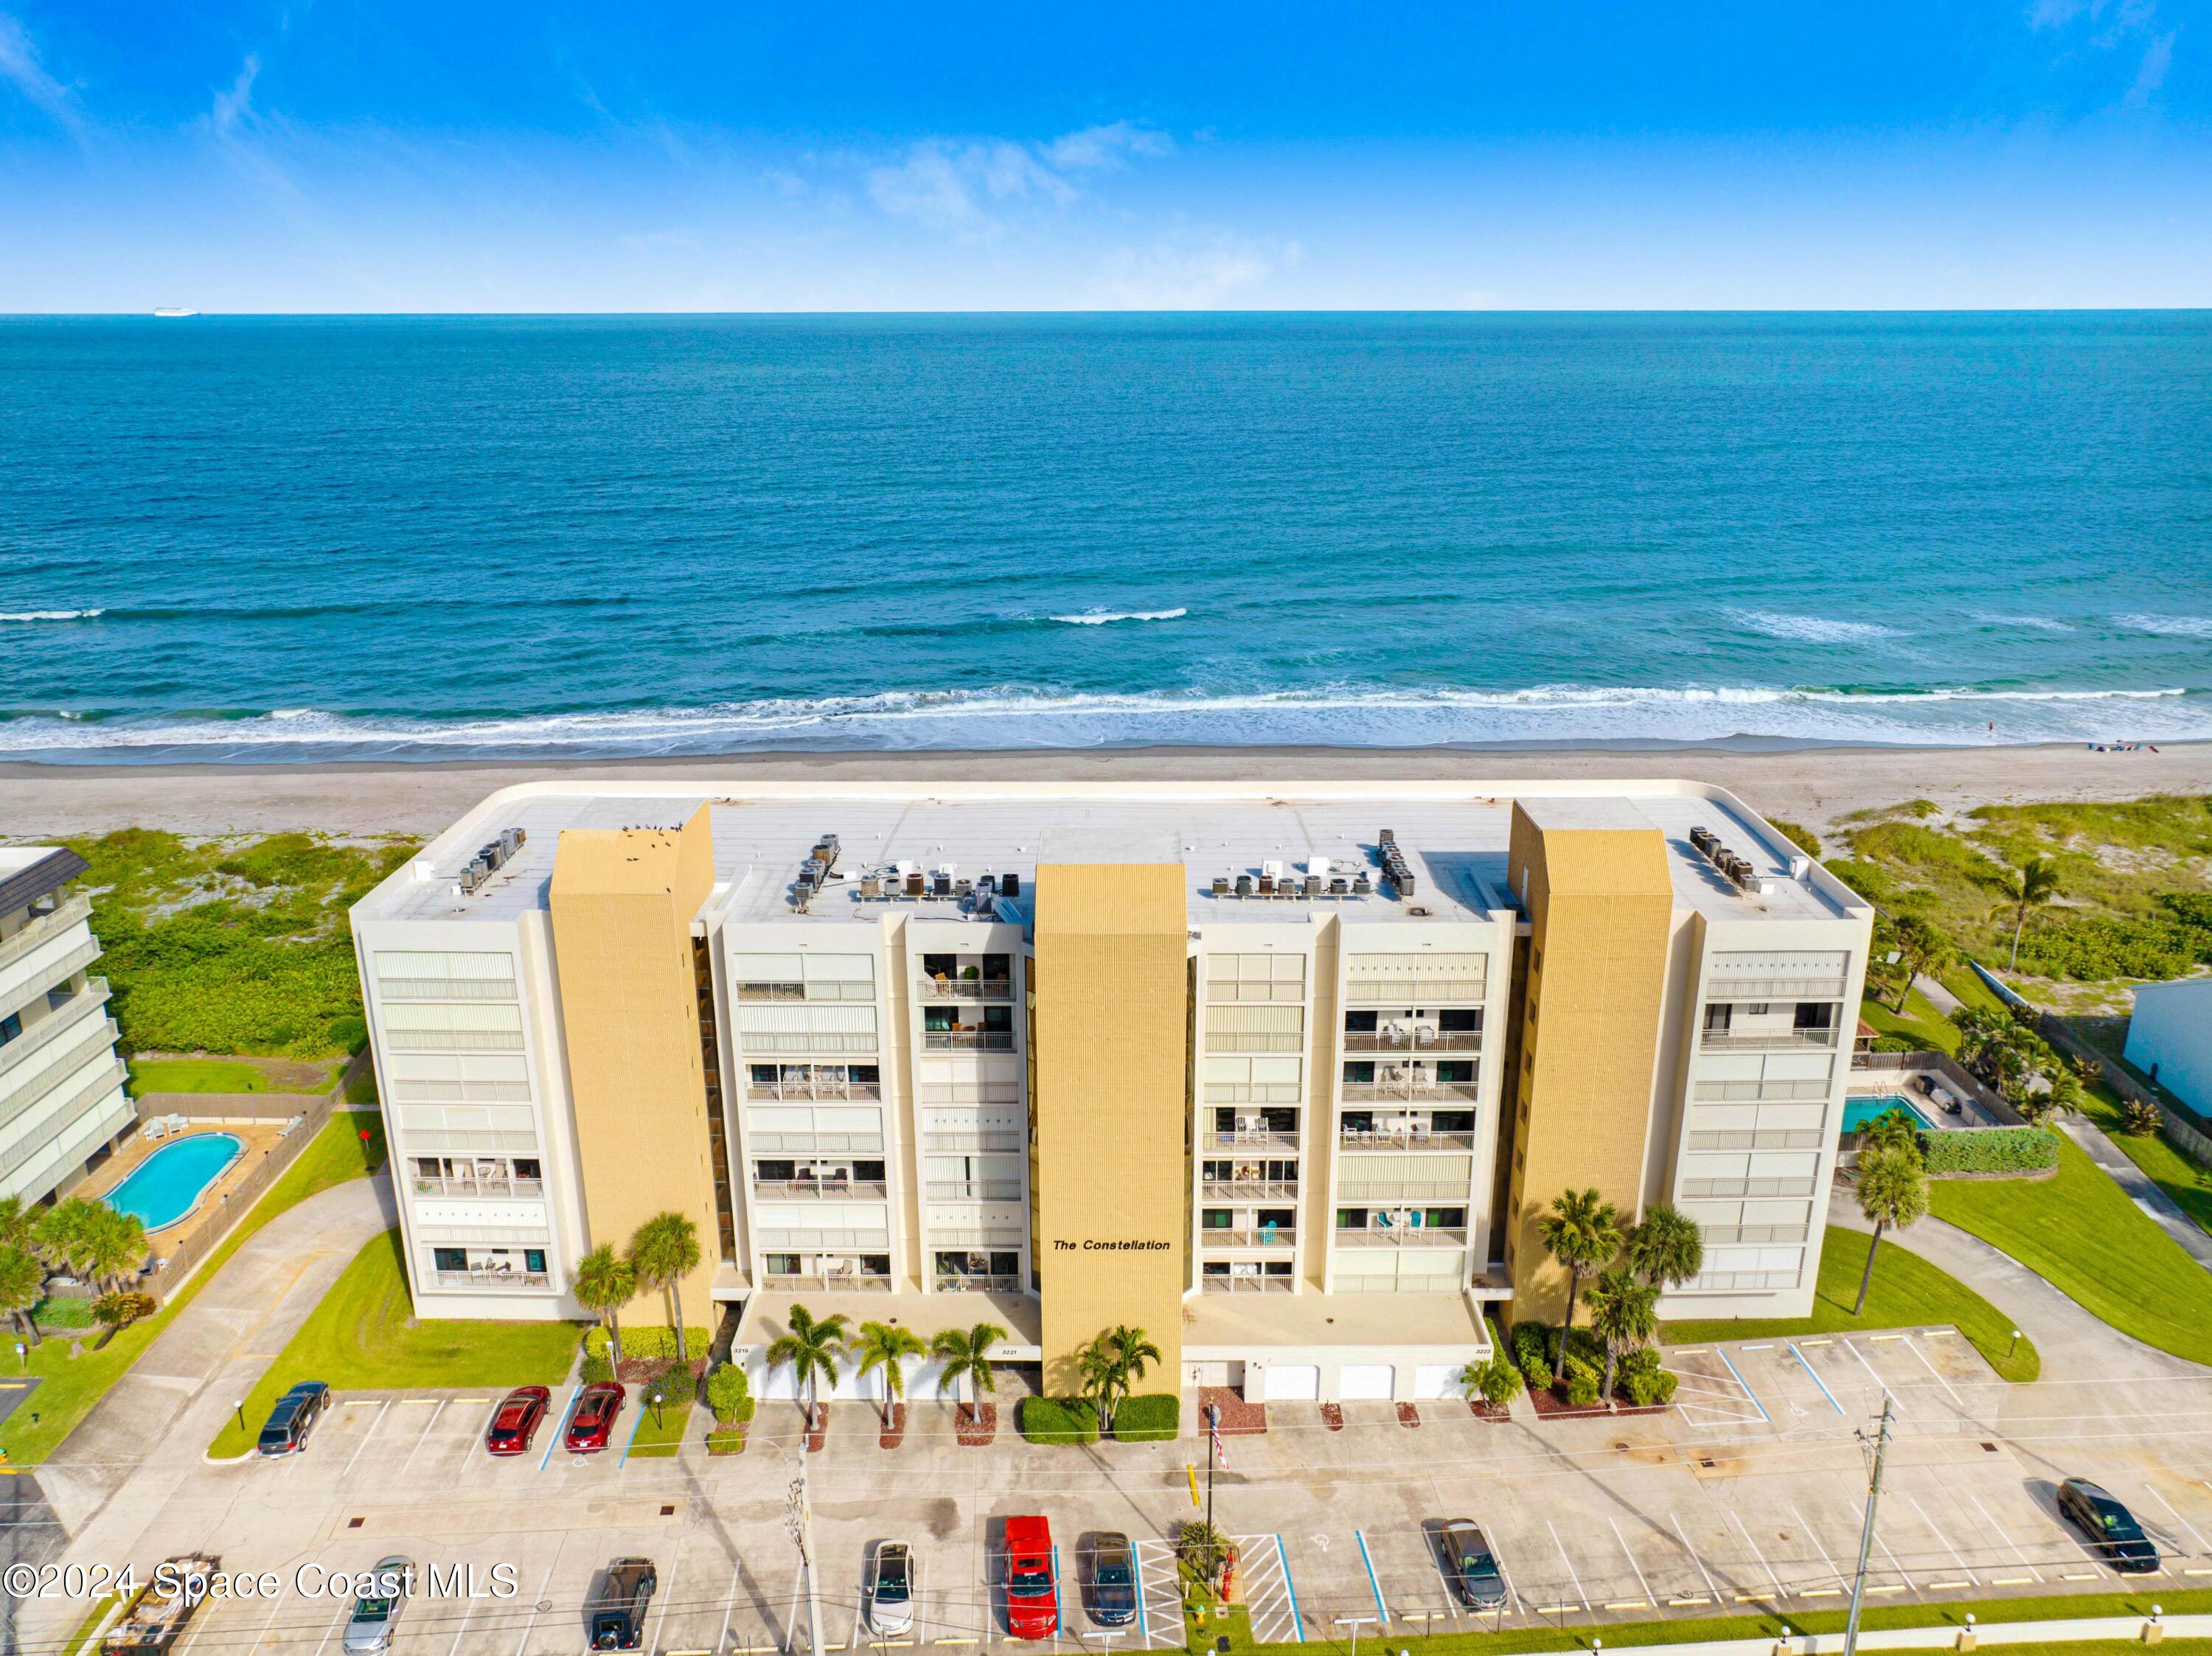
(1032, 1580)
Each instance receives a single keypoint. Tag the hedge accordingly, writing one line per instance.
(1990, 1150)
(1155, 1417)
(1531, 1343)
(59, 1311)
(1059, 1419)
(647, 1341)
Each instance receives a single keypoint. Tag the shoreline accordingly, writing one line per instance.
(1813, 786)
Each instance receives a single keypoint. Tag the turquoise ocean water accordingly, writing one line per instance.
(278, 540)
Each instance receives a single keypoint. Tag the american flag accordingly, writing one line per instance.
(1220, 1454)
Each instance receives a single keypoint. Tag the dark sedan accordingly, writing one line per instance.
(2114, 1535)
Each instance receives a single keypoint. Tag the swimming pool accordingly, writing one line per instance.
(168, 1184)
(1859, 1112)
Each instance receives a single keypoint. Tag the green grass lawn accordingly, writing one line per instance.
(660, 1441)
(2189, 1183)
(2079, 1232)
(1928, 1029)
(1966, 983)
(1908, 1292)
(195, 1075)
(74, 1384)
(364, 1336)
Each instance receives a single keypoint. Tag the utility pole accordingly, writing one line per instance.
(1212, 1459)
(799, 1521)
(1866, 1535)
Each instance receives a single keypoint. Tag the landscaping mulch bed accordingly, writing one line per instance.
(1553, 1404)
(890, 1436)
(643, 1371)
(817, 1428)
(974, 1427)
(1482, 1408)
(1239, 1417)
(1408, 1414)
(1332, 1415)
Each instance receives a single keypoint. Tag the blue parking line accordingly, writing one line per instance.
(1748, 1392)
(634, 1426)
(1373, 1586)
(1282, 1557)
(1807, 1368)
(1137, 1569)
(561, 1425)
(1058, 1615)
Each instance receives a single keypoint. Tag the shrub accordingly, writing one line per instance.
(1531, 1343)
(598, 1368)
(121, 1310)
(2141, 1116)
(1200, 1552)
(1991, 1150)
(1059, 1419)
(1154, 1417)
(1498, 1381)
(2093, 949)
(1583, 1382)
(1648, 1387)
(1645, 1360)
(61, 1311)
(726, 1440)
(730, 1395)
(648, 1341)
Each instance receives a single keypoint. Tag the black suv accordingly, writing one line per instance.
(2114, 1535)
(618, 1617)
(292, 1418)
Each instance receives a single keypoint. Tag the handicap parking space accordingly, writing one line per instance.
(1709, 1392)
(1268, 1591)
(1159, 1590)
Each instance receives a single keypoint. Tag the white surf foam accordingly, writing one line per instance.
(51, 615)
(1103, 617)
(2033, 623)
(1813, 629)
(2168, 626)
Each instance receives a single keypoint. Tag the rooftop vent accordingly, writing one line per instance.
(1395, 868)
(490, 858)
(1738, 870)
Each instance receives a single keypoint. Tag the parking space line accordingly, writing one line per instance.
(422, 1440)
(530, 1626)
(1569, 1563)
(1813, 1535)
(1630, 1556)
(468, 1606)
(1375, 1587)
(1816, 1379)
(1759, 1556)
(561, 1426)
(1433, 1547)
(1932, 1370)
(1880, 1384)
(1290, 1590)
(2000, 1581)
(666, 1598)
(1684, 1536)
(1938, 1532)
(1740, 1380)
(2178, 1517)
(1505, 1575)
(340, 1617)
(365, 1437)
(1893, 1564)
(636, 1421)
(729, 1605)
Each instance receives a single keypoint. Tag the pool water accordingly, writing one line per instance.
(1858, 1112)
(168, 1184)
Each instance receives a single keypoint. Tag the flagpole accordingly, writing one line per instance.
(1213, 1460)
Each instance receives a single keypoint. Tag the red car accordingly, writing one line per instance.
(593, 1420)
(1032, 1580)
(517, 1421)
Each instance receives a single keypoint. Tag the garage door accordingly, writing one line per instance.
(1287, 1381)
(1365, 1380)
(1436, 1380)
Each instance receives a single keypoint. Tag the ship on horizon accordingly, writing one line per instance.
(172, 310)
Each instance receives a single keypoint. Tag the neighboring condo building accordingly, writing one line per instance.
(1284, 1075)
(62, 1103)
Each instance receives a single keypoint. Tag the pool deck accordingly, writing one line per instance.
(1912, 1086)
(258, 1138)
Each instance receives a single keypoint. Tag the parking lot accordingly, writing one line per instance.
(1749, 1494)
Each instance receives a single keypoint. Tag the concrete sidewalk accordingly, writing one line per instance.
(2141, 1190)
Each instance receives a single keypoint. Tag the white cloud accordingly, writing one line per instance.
(234, 105)
(1190, 274)
(967, 186)
(21, 68)
(2151, 75)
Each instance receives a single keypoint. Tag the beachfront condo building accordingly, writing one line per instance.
(1284, 1075)
(62, 1104)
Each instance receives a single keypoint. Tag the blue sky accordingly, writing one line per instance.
(333, 156)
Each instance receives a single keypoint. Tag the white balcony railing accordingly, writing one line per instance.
(768, 1092)
(965, 988)
(968, 1041)
(45, 927)
(516, 1189)
(1251, 1190)
(1361, 1092)
(975, 1190)
(1253, 1139)
(855, 1284)
(1222, 1283)
(1781, 1040)
(503, 1281)
(951, 1284)
(1226, 1236)
(1402, 1236)
(866, 1190)
(1407, 1139)
(1420, 1039)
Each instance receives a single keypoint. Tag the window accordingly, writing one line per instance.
(1815, 1015)
(11, 1027)
(1219, 1219)
(1006, 1265)
(429, 1167)
(1452, 1120)
(998, 1020)
(1449, 1218)
(778, 1171)
(783, 1264)
(1351, 1218)
(764, 1075)
(1717, 1017)
(450, 1259)
(864, 1075)
(876, 1265)
(1359, 1023)
(526, 1167)
(1461, 1019)
(1455, 1072)
(1276, 1218)
(533, 1258)
(868, 1172)
(939, 1017)
(1359, 1075)
(1359, 1121)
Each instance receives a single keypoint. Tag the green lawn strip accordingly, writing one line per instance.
(195, 1075)
(74, 1384)
(364, 1337)
(1908, 1292)
(1928, 1029)
(659, 1440)
(2080, 1233)
(1963, 982)
(2163, 1162)
(83, 1636)
(1767, 1625)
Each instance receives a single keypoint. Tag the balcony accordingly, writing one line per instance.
(975, 1190)
(1255, 1139)
(503, 1281)
(1408, 1139)
(45, 927)
(1415, 992)
(1251, 1190)
(856, 1282)
(804, 1091)
(979, 1284)
(819, 989)
(1272, 1236)
(1779, 1041)
(1422, 1040)
(1222, 1284)
(1402, 1236)
(968, 1041)
(515, 1189)
(1368, 1092)
(73, 1014)
(865, 1190)
(964, 988)
(1774, 989)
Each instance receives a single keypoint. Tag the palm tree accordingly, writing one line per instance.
(1893, 1192)
(603, 1283)
(1667, 1246)
(2030, 886)
(1890, 1131)
(114, 1245)
(1582, 1232)
(58, 1235)
(664, 1251)
(887, 1346)
(1096, 1363)
(17, 1222)
(966, 1355)
(1134, 1351)
(1924, 951)
(1624, 1314)
(812, 1349)
(22, 1285)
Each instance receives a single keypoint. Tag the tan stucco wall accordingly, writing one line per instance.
(621, 903)
(1599, 902)
(1112, 1007)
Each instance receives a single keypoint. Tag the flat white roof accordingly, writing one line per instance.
(1454, 836)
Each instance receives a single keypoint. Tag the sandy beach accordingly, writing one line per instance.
(1814, 786)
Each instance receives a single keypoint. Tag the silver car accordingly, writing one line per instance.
(890, 1589)
(376, 1612)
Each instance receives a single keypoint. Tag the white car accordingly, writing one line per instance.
(890, 1589)
(368, 1631)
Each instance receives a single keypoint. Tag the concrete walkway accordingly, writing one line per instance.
(1938, 997)
(2137, 1184)
(164, 1412)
